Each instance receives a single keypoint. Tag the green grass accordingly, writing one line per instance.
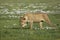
(10, 28)
(27, 34)
(9, 31)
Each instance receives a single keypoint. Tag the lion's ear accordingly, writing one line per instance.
(21, 16)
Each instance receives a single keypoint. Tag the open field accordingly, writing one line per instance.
(11, 30)
(11, 10)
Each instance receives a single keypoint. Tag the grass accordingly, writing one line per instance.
(10, 28)
(27, 34)
(9, 31)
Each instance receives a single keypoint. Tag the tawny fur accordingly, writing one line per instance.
(35, 17)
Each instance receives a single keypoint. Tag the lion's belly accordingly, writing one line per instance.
(38, 20)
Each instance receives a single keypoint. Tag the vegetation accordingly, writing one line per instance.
(10, 28)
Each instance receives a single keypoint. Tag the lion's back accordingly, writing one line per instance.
(35, 16)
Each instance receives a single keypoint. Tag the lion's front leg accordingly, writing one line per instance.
(31, 24)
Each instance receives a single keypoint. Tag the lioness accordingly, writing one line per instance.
(35, 17)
